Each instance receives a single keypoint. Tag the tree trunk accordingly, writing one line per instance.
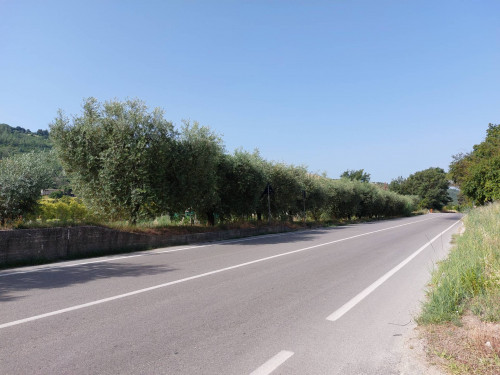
(211, 218)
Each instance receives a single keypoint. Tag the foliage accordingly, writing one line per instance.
(470, 277)
(193, 165)
(397, 185)
(56, 194)
(65, 209)
(431, 185)
(356, 175)
(245, 176)
(18, 140)
(316, 195)
(478, 172)
(347, 199)
(342, 203)
(130, 164)
(118, 156)
(242, 179)
(21, 179)
(287, 182)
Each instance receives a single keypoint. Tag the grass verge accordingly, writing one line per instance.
(62, 215)
(461, 319)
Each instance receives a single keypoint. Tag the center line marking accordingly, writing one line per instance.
(139, 291)
(363, 294)
(273, 363)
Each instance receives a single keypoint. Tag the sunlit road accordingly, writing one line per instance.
(328, 301)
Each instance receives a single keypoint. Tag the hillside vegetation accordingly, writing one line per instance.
(18, 140)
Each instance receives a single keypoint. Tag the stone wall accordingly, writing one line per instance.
(25, 246)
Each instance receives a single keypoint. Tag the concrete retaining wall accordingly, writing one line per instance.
(49, 244)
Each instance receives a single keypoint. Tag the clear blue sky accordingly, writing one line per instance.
(393, 87)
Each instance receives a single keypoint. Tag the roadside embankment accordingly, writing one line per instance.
(31, 246)
(461, 319)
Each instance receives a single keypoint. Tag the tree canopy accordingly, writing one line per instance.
(431, 185)
(478, 172)
(22, 177)
(127, 162)
(118, 156)
(356, 175)
(193, 170)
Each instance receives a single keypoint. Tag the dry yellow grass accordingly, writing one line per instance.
(471, 348)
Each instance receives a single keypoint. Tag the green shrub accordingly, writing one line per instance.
(67, 209)
(56, 195)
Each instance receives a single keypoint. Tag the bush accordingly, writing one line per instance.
(67, 209)
(56, 195)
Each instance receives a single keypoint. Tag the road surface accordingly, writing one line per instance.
(326, 301)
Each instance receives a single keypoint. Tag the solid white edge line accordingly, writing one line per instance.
(142, 254)
(363, 294)
(104, 300)
(273, 363)
(157, 251)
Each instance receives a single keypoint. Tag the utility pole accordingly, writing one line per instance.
(304, 196)
(269, 203)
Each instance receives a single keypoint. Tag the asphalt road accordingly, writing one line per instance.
(328, 301)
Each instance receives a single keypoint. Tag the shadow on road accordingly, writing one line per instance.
(451, 216)
(283, 238)
(64, 276)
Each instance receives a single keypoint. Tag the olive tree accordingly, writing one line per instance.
(288, 183)
(117, 155)
(193, 172)
(22, 177)
(242, 179)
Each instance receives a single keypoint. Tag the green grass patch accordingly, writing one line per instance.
(469, 279)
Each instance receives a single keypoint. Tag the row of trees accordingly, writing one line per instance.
(478, 173)
(127, 162)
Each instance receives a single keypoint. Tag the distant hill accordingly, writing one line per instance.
(19, 140)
